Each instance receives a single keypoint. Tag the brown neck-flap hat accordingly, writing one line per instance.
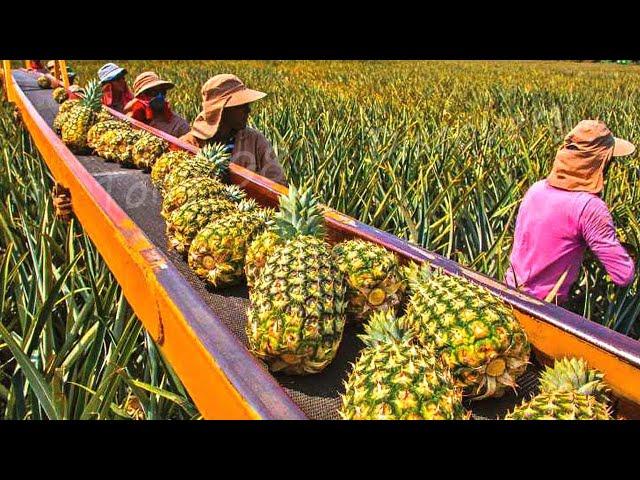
(586, 150)
(218, 92)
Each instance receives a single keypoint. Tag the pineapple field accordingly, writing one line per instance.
(437, 153)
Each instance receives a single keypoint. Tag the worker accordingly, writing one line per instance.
(225, 111)
(115, 91)
(36, 65)
(564, 214)
(151, 107)
(54, 81)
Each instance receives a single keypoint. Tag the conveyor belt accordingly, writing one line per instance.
(316, 395)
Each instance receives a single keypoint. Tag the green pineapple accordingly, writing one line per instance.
(80, 119)
(396, 379)
(475, 333)
(44, 81)
(186, 221)
(297, 314)
(374, 281)
(568, 391)
(217, 252)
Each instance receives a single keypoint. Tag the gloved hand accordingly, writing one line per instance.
(62, 203)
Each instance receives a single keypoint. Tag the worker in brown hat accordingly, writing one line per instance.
(564, 214)
(151, 107)
(225, 101)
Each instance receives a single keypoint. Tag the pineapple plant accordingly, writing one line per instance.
(197, 188)
(44, 81)
(186, 221)
(568, 391)
(147, 149)
(212, 161)
(80, 119)
(116, 145)
(297, 313)
(475, 333)
(373, 276)
(394, 378)
(218, 251)
(165, 164)
(60, 94)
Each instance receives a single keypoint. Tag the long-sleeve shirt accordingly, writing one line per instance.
(251, 151)
(553, 229)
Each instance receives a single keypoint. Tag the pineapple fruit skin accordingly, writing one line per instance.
(476, 335)
(60, 94)
(218, 251)
(147, 149)
(116, 145)
(197, 188)
(165, 164)
(260, 248)
(373, 278)
(297, 314)
(96, 132)
(76, 126)
(193, 167)
(186, 221)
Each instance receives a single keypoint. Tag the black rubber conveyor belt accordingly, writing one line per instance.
(317, 395)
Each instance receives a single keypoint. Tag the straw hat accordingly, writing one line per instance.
(218, 92)
(147, 80)
(580, 161)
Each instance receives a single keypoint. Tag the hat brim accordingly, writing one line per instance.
(244, 96)
(156, 83)
(114, 75)
(622, 147)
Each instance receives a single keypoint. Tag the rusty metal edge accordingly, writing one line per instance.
(255, 386)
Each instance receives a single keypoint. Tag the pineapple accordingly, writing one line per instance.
(373, 277)
(44, 81)
(186, 221)
(60, 94)
(568, 391)
(117, 145)
(197, 188)
(260, 248)
(81, 118)
(104, 115)
(147, 149)
(218, 250)
(396, 379)
(212, 161)
(165, 164)
(64, 109)
(95, 133)
(297, 314)
(475, 333)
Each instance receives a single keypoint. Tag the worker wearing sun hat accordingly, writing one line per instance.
(151, 107)
(115, 91)
(564, 214)
(225, 111)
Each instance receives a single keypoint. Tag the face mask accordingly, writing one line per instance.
(157, 102)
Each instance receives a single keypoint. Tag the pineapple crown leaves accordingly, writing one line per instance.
(92, 96)
(217, 154)
(234, 193)
(300, 214)
(385, 328)
(573, 375)
(247, 205)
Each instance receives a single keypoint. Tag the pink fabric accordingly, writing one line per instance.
(553, 229)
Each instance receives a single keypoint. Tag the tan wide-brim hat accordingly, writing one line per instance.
(218, 92)
(148, 80)
(581, 159)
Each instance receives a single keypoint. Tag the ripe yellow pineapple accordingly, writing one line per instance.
(80, 119)
(165, 164)
(95, 133)
(374, 281)
(147, 149)
(116, 145)
(60, 94)
(394, 378)
(297, 314)
(197, 188)
(475, 333)
(64, 109)
(568, 391)
(212, 161)
(44, 81)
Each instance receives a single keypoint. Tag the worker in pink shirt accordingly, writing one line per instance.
(563, 215)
